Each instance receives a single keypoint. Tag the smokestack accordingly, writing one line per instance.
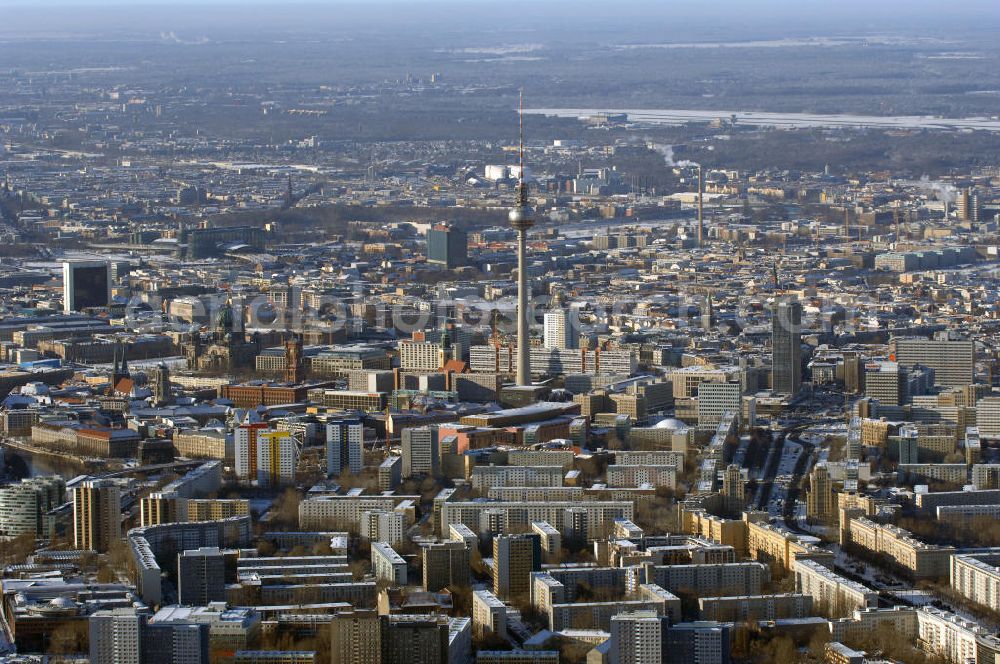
(701, 206)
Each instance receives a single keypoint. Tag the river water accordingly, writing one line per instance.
(19, 464)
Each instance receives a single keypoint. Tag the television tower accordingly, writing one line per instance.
(521, 220)
(701, 206)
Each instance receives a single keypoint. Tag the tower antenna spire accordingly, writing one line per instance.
(522, 194)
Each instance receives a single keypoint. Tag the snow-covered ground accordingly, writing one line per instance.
(914, 596)
(781, 120)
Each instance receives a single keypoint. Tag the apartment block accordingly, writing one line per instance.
(921, 560)
(387, 565)
(832, 594)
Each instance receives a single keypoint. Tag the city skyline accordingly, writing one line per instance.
(480, 333)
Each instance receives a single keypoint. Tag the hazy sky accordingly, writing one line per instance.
(818, 7)
(932, 17)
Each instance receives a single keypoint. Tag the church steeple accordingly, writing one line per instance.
(445, 338)
(119, 370)
(123, 369)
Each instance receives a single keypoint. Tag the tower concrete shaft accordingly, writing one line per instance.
(523, 350)
(701, 206)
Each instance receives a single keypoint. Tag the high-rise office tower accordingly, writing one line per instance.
(97, 515)
(953, 360)
(734, 485)
(24, 506)
(354, 637)
(521, 220)
(967, 205)
(447, 246)
(515, 557)
(445, 564)
(344, 447)
(717, 399)
(421, 453)
(558, 330)
(277, 457)
(852, 372)
(888, 382)
(786, 344)
(86, 284)
(637, 638)
(820, 505)
(201, 576)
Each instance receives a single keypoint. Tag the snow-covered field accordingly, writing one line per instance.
(782, 120)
